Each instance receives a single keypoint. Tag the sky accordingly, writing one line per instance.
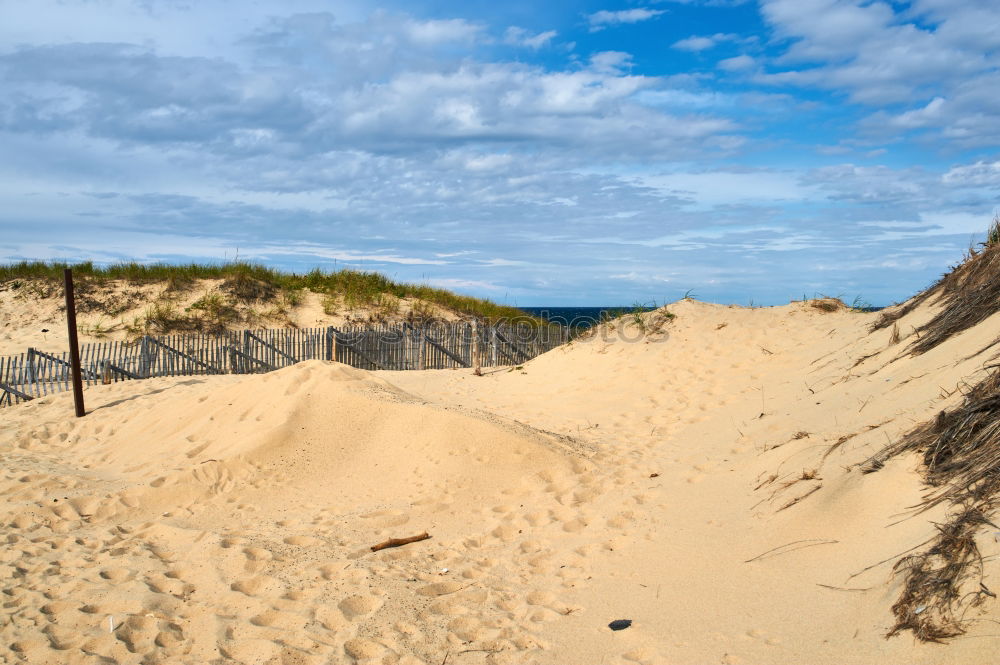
(535, 153)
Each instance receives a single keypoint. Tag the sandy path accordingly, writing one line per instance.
(228, 519)
(715, 412)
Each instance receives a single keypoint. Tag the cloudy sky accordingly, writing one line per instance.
(538, 153)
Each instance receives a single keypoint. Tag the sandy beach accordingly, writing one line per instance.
(698, 474)
(618, 332)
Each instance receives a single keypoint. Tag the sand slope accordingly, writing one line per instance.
(699, 476)
(739, 412)
(230, 518)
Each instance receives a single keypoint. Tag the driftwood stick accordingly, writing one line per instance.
(398, 542)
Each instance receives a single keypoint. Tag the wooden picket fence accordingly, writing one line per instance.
(391, 346)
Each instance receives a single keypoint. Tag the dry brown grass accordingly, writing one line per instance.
(828, 304)
(243, 287)
(894, 336)
(961, 454)
(934, 601)
(891, 315)
(968, 294)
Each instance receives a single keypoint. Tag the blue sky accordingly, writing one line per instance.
(557, 153)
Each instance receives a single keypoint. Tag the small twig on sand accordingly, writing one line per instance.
(398, 542)
(799, 498)
(894, 556)
(843, 588)
(808, 542)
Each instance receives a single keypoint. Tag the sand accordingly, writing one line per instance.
(679, 475)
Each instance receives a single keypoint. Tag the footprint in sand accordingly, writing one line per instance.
(440, 588)
(257, 559)
(171, 587)
(332, 571)
(138, 633)
(466, 629)
(258, 554)
(364, 650)
(359, 605)
(641, 656)
(117, 575)
(196, 450)
(257, 586)
(285, 621)
(56, 608)
(61, 638)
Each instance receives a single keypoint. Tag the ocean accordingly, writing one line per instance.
(579, 317)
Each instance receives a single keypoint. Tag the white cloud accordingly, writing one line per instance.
(642, 278)
(393, 142)
(738, 63)
(442, 31)
(937, 60)
(521, 37)
(732, 187)
(610, 62)
(490, 162)
(980, 174)
(604, 18)
(208, 28)
(955, 223)
(920, 117)
(703, 42)
(678, 98)
(870, 184)
(466, 284)
(694, 44)
(501, 263)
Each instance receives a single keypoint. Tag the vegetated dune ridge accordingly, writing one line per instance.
(202, 306)
(698, 470)
(165, 300)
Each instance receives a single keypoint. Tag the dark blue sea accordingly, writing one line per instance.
(579, 317)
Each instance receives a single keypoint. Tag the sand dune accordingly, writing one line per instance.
(32, 314)
(699, 475)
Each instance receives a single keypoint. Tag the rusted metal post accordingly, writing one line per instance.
(74, 345)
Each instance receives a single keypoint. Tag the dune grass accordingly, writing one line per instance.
(960, 447)
(961, 455)
(968, 293)
(251, 281)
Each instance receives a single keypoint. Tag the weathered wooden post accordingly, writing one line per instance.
(423, 345)
(493, 345)
(329, 343)
(74, 345)
(477, 361)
